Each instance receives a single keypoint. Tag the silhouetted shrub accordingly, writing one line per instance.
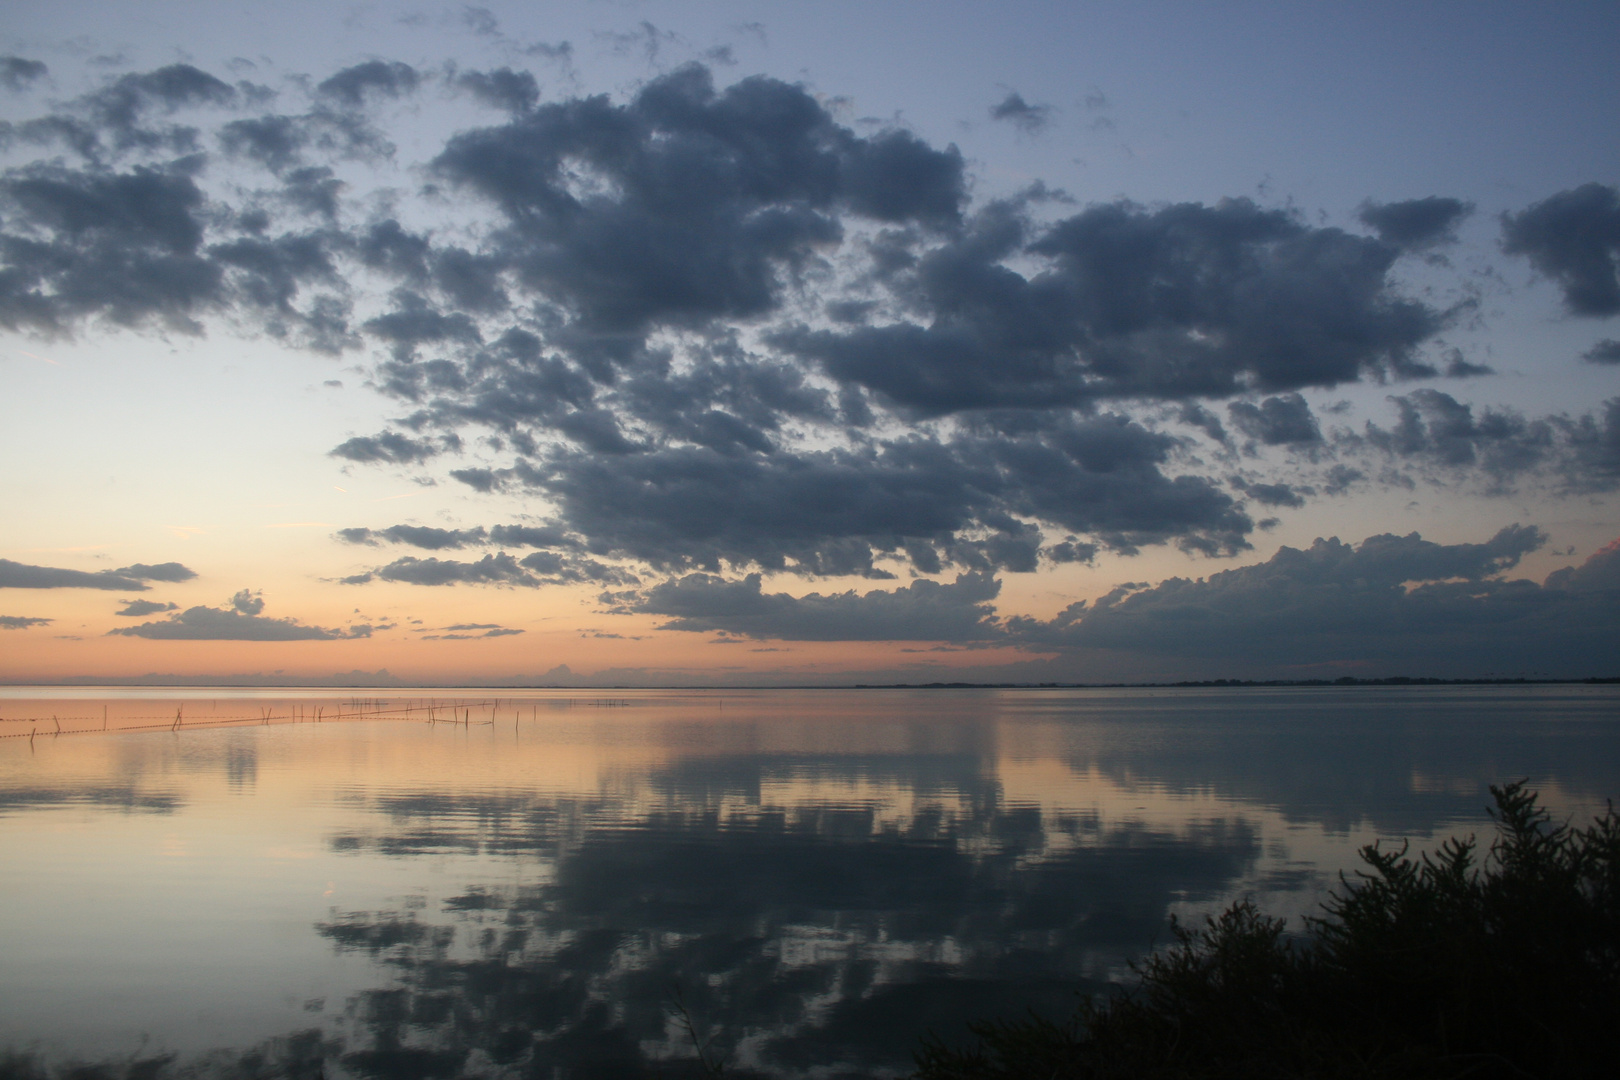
(1428, 967)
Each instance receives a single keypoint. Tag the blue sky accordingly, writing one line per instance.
(732, 342)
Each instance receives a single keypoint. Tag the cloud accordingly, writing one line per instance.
(18, 73)
(354, 86)
(717, 330)
(129, 248)
(704, 197)
(1400, 602)
(169, 571)
(534, 570)
(1416, 224)
(1574, 238)
(1274, 494)
(387, 446)
(141, 608)
(923, 611)
(1277, 421)
(1172, 303)
(1021, 114)
(15, 575)
(1606, 351)
(419, 536)
(124, 247)
(515, 91)
(1437, 432)
(242, 621)
(22, 622)
(465, 632)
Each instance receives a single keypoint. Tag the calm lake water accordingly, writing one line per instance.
(547, 882)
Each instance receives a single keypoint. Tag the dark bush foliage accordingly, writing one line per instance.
(1439, 966)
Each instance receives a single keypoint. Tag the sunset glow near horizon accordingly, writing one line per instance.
(677, 343)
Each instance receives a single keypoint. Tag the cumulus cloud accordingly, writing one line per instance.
(139, 609)
(22, 622)
(923, 611)
(1606, 351)
(1417, 224)
(1176, 302)
(15, 575)
(1021, 114)
(467, 632)
(18, 72)
(1574, 238)
(515, 91)
(1285, 420)
(716, 330)
(533, 570)
(1393, 600)
(418, 536)
(388, 446)
(1435, 432)
(354, 86)
(241, 621)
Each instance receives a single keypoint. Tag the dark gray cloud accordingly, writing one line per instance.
(532, 571)
(717, 330)
(970, 500)
(1417, 223)
(169, 571)
(1574, 238)
(1394, 600)
(124, 247)
(1275, 494)
(22, 622)
(1436, 432)
(435, 539)
(515, 91)
(15, 575)
(419, 536)
(1179, 302)
(1285, 420)
(354, 86)
(387, 446)
(922, 611)
(467, 632)
(138, 609)
(699, 199)
(129, 248)
(18, 73)
(1606, 351)
(1021, 114)
(1594, 442)
(241, 621)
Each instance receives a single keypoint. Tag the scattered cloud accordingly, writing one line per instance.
(18, 73)
(466, 632)
(15, 575)
(141, 608)
(1391, 600)
(1028, 118)
(22, 622)
(241, 621)
(922, 611)
(1574, 238)
(1416, 224)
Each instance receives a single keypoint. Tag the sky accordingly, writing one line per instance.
(617, 343)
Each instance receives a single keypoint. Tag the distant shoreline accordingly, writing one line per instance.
(1190, 684)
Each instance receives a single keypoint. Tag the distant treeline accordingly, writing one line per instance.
(1343, 680)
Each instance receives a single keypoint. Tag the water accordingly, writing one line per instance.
(591, 880)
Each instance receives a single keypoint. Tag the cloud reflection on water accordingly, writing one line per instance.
(821, 876)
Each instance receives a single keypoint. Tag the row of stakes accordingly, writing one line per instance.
(319, 716)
